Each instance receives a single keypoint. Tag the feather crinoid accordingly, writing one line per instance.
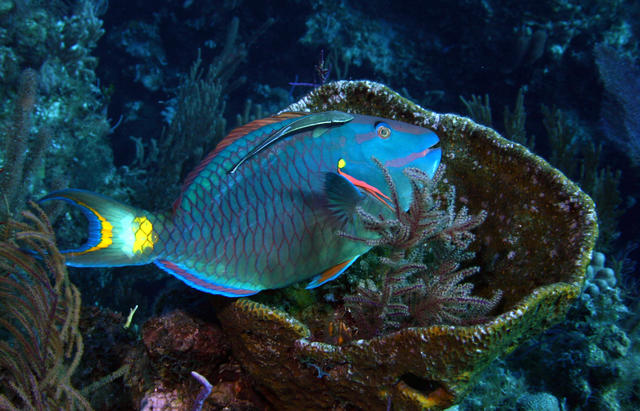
(421, 282)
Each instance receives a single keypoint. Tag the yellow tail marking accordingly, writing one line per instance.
(145, 238)
(106, 232)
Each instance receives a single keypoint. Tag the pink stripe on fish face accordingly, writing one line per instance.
(396, 126)
(403, 161)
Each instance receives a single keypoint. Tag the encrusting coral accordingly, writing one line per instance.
(534, 245)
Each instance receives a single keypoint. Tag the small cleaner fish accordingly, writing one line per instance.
(262, 210)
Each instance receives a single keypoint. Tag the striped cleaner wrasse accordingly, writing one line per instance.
(263, 209)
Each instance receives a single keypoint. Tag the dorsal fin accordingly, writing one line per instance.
(317, 121)
(233, 135)
(243, 130)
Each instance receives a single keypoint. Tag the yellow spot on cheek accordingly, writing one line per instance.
(144, 236)
(341, 163)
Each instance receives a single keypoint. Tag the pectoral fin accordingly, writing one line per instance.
(342, 196)
(363, 185)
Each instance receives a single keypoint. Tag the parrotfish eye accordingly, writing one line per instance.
(383, 130)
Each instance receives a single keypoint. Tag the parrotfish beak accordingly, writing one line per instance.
(429, 162)
(427, 159)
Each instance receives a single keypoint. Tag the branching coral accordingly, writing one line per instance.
(41, 345)
(422, 220)
(430, 229)
(443, 300)
(376, 311)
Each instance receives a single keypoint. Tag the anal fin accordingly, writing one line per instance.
(331, 273)
(194, 280)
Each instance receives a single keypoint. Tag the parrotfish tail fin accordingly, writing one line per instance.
(118, 234)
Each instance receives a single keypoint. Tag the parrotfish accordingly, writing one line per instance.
(264, 208)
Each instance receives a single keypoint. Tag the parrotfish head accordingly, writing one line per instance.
(396, 144)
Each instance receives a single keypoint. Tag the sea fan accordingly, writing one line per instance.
(424, 218)
(376, 311)
(412, 292)
(442, 299)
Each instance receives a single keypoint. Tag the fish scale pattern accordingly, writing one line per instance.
(263, 223)
(262, 210)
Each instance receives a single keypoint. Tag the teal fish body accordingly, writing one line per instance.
(263, 209)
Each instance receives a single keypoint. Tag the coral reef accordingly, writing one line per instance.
(51, 104)
(590, 359)
(106, 345)
(621, 112)
(572, 151)
(56, 40)
(41, 344)
(53, 124)
(20, 167)
(542, 401)
(175, 345)
(179, 344)
(534, 245)
(195, 126)
(355, 39)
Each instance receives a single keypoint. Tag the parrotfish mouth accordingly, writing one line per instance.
(426, 160)
(404, 161)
